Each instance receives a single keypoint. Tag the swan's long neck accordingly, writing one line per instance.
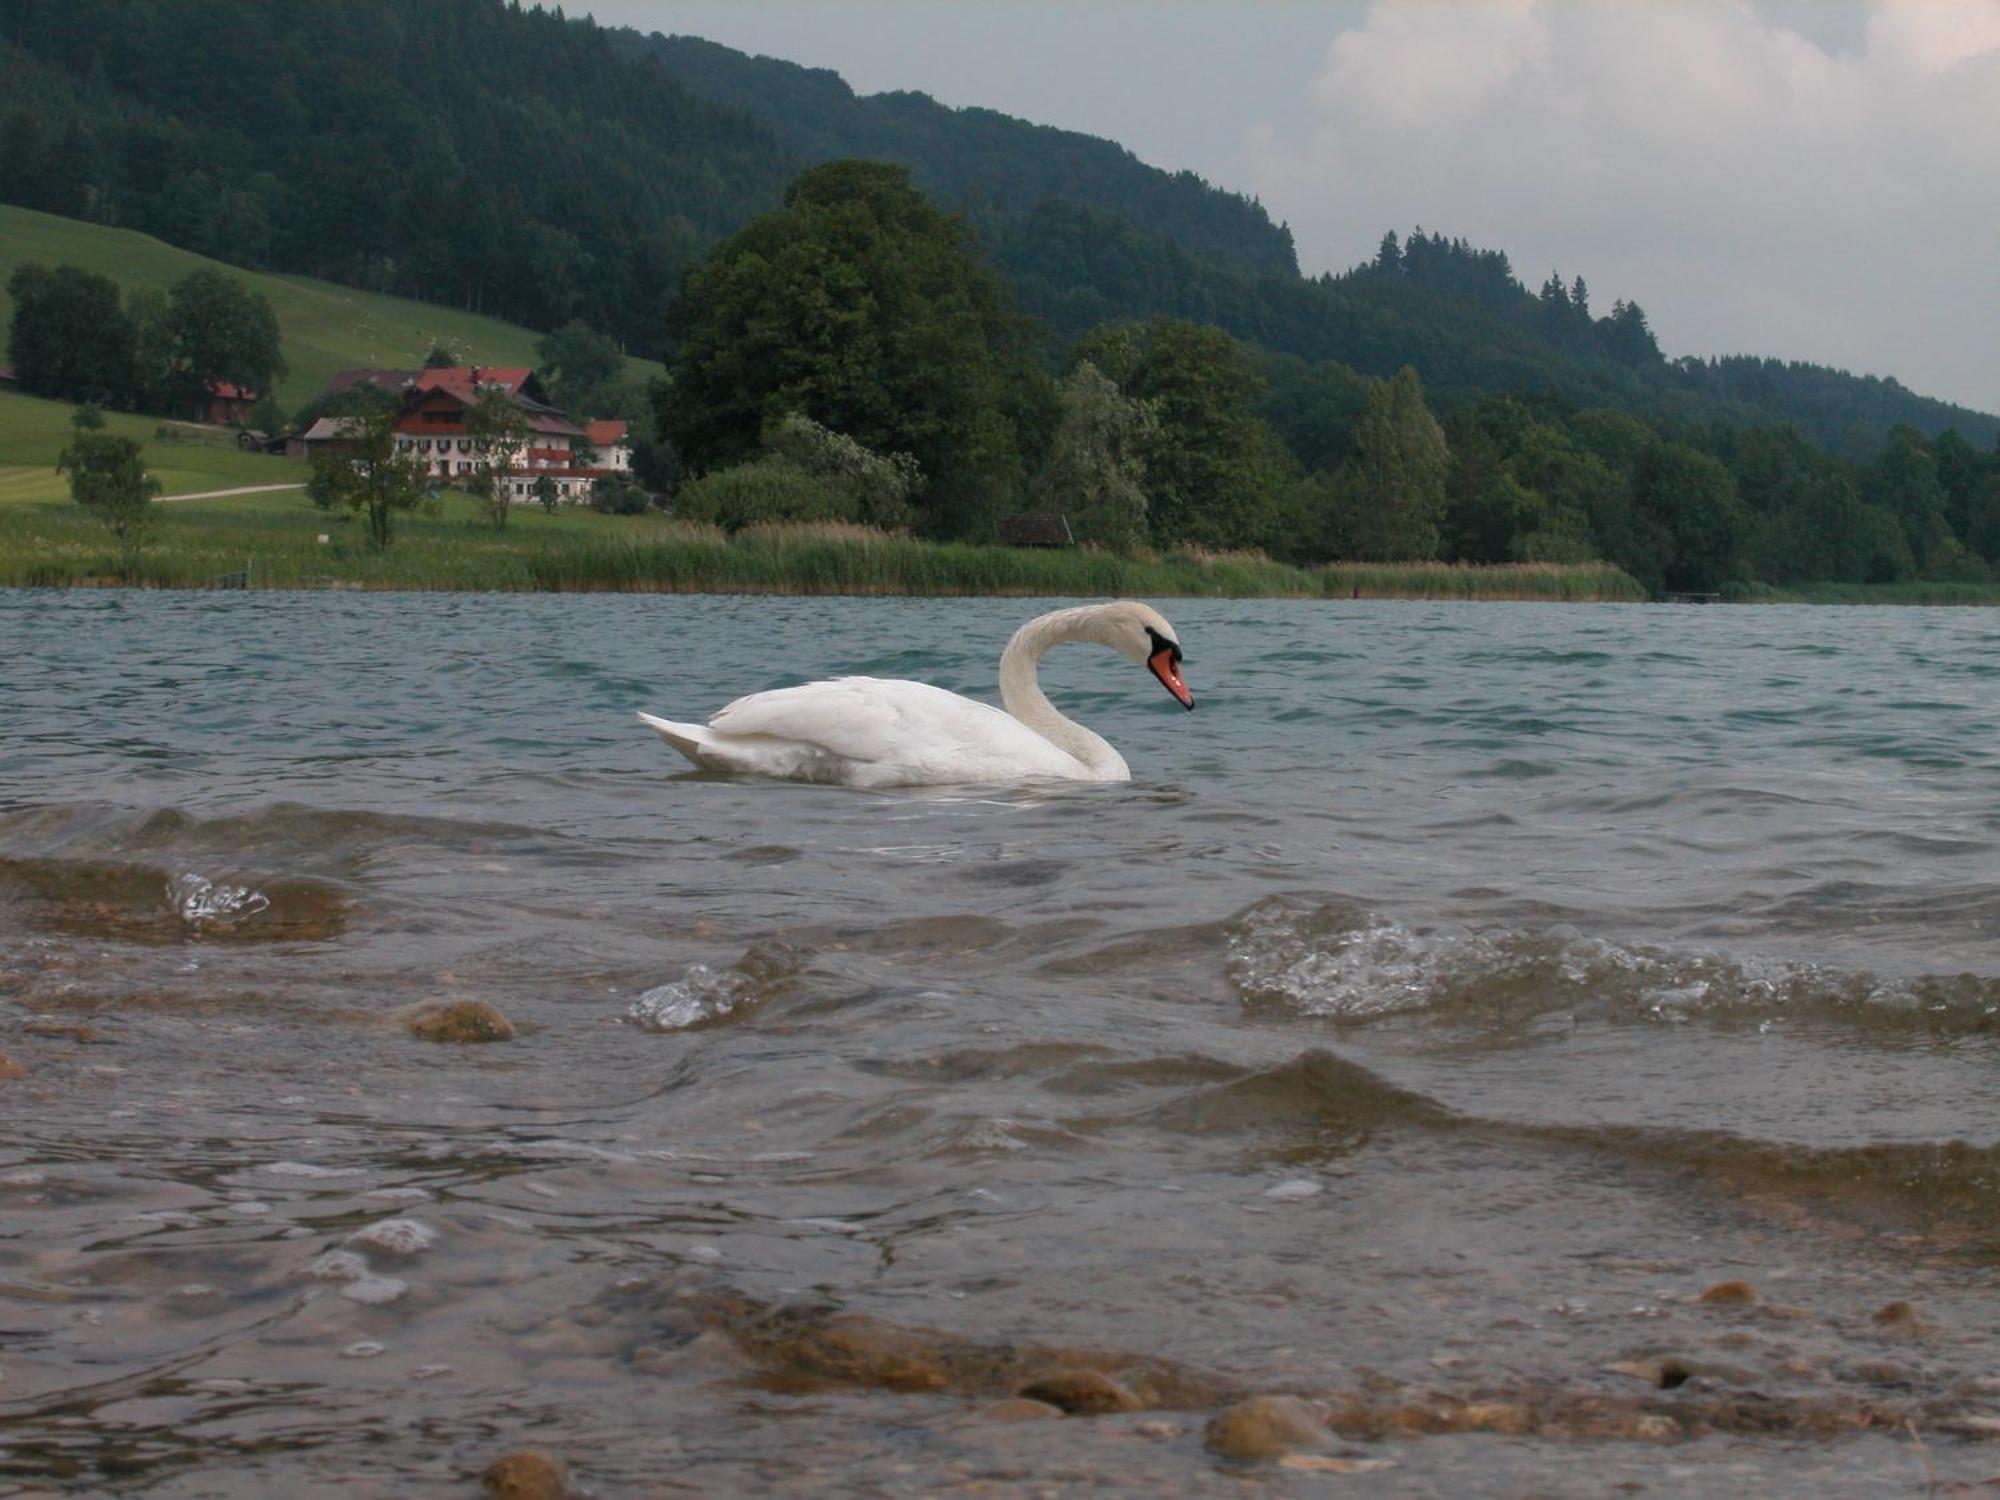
(1021, 690)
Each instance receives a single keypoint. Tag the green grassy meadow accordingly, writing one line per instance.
(33, 432)
(325, 328)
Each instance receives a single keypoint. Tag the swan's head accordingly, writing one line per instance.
(1140, 633)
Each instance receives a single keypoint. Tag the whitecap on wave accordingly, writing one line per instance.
(708, 994)
(200, 900)
(1344, 963)
(702, 994)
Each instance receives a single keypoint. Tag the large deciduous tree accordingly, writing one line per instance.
(1214, 469)
(578, 363)
(69, 339)
(861, 305)
(1388, 498)
(1096, 466)
(223, 331)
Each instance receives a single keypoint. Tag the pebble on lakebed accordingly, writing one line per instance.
(1017, 1409)
(458, 1021)
(399, 1237)
(1082, 1393)
(1263, 1428)
(526, 1474)
(1728, 1294)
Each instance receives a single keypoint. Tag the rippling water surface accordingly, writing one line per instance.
(1444, 1007)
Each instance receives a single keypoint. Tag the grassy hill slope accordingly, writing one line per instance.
(325, 327)
(187, 460)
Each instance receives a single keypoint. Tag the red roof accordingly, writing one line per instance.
(462, 382)
(222, 390)
(606, 434)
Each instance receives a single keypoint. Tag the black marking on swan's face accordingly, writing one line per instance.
(1164, 661)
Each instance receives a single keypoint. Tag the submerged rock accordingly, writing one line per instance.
(66, 1031)
(526, 1474)
(10, 1069)
(1901, 1319)
(400, 1237)
(459, 1021)
(1263, 1428)
(1082, 1393)
(1728, 1294)
(823, 1343)
(1509, 1417)
(1019, 1409)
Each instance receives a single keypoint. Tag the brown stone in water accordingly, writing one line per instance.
(1266, 1427)
(460, 1021)
(1018, 1409)
(1728, 1294)
(1494, 1416)
(68, 1031)
(525, 1474)
(1083, 1393)
(10, 1069)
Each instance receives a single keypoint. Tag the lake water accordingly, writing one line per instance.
(1445, 1006)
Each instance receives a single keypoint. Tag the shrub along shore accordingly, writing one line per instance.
(273, 542)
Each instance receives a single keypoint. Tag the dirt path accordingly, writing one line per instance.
(243, 489)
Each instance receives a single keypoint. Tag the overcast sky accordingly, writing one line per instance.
(1815, 179)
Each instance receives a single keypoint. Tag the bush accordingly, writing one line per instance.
(761, 491)
(614, 497)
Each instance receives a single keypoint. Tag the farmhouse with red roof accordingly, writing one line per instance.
(431, 428)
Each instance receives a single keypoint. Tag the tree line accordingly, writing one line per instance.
(862, 310)
(75, 337)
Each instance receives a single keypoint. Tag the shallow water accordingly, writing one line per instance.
(1445, 1005)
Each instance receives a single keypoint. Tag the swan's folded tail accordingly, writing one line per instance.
(692, 740)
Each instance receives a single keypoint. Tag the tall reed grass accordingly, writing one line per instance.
(1914, 592)
(277, 542)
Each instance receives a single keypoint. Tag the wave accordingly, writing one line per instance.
(1343, 963)
(1318, 1108)
(704, 994)
(106, 830)
(146, 903)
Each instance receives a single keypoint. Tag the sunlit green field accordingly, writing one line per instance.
(33, 432)
(324, 328)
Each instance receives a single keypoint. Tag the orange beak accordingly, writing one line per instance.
(1166, 665)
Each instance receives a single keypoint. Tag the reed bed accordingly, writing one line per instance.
(1915, 592)
(275, 541)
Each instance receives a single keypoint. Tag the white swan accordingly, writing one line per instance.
(876, 732)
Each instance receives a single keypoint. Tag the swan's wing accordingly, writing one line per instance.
(889, 722)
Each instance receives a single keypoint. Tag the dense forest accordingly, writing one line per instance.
(1048, 324)
(860, 311)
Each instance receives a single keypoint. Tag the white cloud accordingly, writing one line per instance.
(1755, 190)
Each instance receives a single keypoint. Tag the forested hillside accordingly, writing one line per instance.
(515, 163)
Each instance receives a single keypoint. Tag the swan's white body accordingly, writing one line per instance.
(877, 732)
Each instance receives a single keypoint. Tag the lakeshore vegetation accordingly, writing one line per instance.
(274, 541)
